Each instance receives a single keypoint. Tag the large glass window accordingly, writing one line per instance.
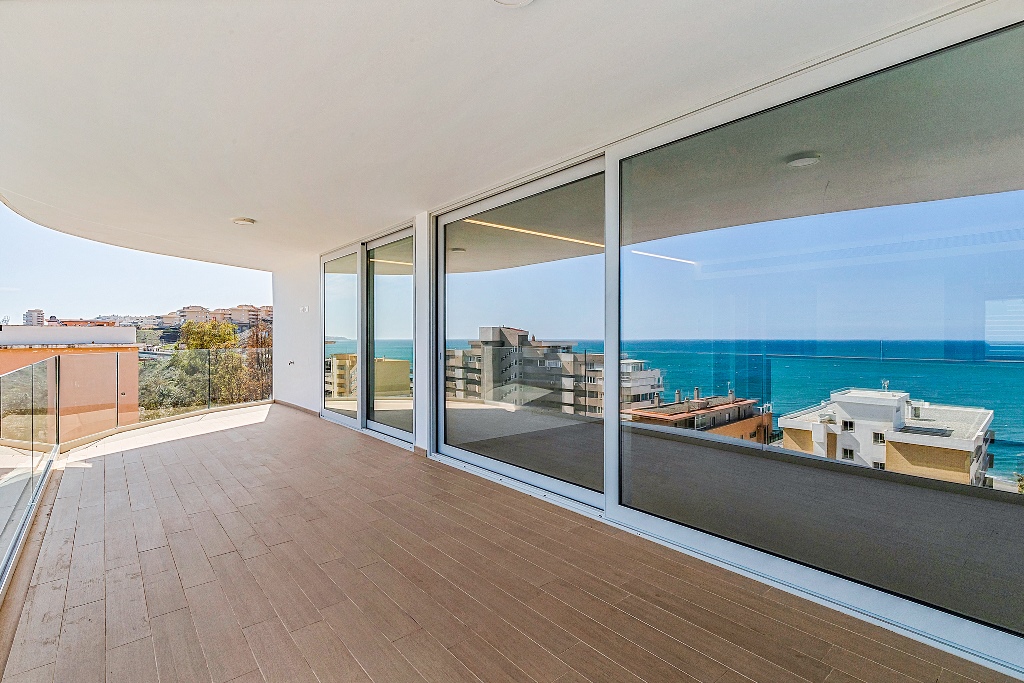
(341, 334)
(524, 365)
(836, 284)
(390, 310)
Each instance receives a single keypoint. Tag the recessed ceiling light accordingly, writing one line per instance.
(458, 250)
(533, 232)
(513, 3)
(803, 159)
(242, 220)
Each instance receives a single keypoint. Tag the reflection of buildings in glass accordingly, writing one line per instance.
(341, 375)
(392, 376)
(506, 365)
(889, 430)
(738, 418)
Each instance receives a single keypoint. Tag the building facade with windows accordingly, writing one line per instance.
(888, 430)
(510, 366)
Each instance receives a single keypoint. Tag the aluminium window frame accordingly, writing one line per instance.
(369, 424)
(939, 628)
(350, 250)
(535, 480)
(360, 249)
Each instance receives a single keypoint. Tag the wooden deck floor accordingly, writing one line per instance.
(293, 550)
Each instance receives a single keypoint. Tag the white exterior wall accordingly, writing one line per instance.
(33, 335)
(423, 361)
(298, 344)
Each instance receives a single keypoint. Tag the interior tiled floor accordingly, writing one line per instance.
(266, 544)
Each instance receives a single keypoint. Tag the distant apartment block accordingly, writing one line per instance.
(243, 315)
(78, 322)
(889, 430)
(34, 316)
(507, 365)
(727, 415)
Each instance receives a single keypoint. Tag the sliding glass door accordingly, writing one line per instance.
(522, 295)
(341, 336)
(831, 295)
(390, 310)
(368, 316)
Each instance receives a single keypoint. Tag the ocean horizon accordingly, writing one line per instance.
(792, 374)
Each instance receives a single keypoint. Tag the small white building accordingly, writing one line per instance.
(34, 317)
(888, 430)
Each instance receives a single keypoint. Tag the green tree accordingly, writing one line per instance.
(208, 335)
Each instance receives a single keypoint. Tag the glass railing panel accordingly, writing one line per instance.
(172, 384)
(88, 395)
(240, 376)
(17, 450)
(127, 388)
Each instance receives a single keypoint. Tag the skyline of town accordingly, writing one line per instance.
(39, 265)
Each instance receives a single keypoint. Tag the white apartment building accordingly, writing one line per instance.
(889, 430)
(34, 316)
(506, 365)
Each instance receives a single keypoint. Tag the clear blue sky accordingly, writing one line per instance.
(72, 277)
(930, 270)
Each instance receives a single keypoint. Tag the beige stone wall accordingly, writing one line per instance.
(928, 461)
(798, 440)
(742, 429)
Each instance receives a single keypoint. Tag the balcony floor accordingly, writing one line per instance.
(265, 544)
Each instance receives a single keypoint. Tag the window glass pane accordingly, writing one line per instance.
(524, 364)
(341, 320)
(838, 281)
(390, 308)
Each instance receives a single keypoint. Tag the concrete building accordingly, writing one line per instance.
(507, 365)
(34, 317)
(738, 418)
(245, 314)
(196, 314)
(220, 315)
(889, 430)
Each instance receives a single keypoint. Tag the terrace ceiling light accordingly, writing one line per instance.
(803, 159)
(242, 220)
(513, 3)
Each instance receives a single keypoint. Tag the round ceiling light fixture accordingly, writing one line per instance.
(803, 159)
(242, 220)
(513, 3)
(458, 250)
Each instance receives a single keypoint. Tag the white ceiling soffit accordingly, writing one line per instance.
(152, 124)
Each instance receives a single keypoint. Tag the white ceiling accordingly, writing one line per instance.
(151, 124)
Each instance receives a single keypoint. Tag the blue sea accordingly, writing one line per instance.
(794, 374)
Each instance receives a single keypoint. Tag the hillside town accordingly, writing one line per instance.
(242, 315)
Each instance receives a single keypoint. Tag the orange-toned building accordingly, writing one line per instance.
(730, 416)
(99, 372)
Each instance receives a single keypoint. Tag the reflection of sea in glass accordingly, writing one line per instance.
(341, 370)
(866, 309)
(522, 296)
(390, 307)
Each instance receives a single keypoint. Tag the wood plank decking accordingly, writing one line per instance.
(290, 550)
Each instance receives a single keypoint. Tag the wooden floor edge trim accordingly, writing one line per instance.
(17, 593)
